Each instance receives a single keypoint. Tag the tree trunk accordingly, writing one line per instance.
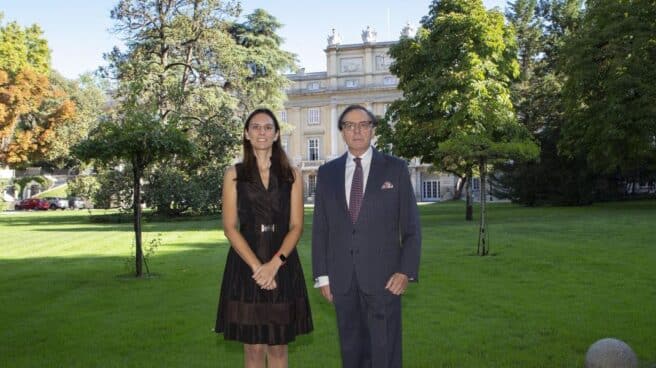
(469, 210)
(136, 203)
(460, 186)
(483, 246)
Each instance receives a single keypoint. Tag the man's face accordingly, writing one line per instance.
(357, 131)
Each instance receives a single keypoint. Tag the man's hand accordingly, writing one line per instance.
(325, 291)
(397, 284)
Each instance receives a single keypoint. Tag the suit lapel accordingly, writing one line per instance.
(374, 180)
(375, 175)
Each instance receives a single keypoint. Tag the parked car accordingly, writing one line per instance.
(76, 203)
(57, 203)
(32, 204)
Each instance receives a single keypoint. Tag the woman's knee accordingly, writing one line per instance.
(277, 351)
(255, 350)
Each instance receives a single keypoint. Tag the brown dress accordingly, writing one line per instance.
(246, 312)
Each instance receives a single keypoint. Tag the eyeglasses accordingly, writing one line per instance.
(268, 128)
(353, 126)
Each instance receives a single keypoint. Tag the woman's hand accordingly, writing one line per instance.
(265, 275)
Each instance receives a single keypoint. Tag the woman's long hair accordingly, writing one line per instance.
(279, 162)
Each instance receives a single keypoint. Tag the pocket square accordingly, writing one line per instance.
(387, 185)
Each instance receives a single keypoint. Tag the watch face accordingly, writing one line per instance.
(283, 258)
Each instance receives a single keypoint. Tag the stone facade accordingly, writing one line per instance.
(356, 74)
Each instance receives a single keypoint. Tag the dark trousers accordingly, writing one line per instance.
(369, 328)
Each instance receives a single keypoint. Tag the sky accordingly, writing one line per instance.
(79, 31)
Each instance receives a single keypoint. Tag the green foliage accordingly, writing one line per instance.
(202, 71)
(585, 102)
(609, 93)
(170, 191)
(84, 186)
(22, 182)
(132, 138)
(264, 59)
(90, 99)
(455, 76)
(537, 97)
(22, 47)
(114, 187)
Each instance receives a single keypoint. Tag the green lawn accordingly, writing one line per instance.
(558, 280)
(60, 191)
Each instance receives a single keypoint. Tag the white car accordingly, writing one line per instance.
(76, 203)
(57, 203)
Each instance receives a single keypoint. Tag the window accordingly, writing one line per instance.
(476, 184)
(389, 81)
(351, 83)
(383, 61)
(430, 189)
(283, 116)
(313, 149)
(314, 116)
(313, 86)
(312, 185)
(284, 142)
(385, 108)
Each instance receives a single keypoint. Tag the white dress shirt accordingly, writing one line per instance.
(365, 161)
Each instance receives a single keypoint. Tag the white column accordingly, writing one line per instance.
(334, 131)
(298, 134)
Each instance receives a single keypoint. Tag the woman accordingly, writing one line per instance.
(263, 300)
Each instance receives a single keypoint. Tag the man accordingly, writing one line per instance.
(366, 243)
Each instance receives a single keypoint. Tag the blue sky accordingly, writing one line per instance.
(78, 30)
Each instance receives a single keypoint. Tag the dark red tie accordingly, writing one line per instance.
(355, 199)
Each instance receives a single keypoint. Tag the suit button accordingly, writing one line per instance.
(353, 232)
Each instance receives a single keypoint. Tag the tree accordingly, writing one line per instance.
(264, 59)
(31, 108)
(609, 93)
(23, 47)
(536, 94)
(455, 76)
(521, 14)
(88, 93)
(132, 138)
(198, 67)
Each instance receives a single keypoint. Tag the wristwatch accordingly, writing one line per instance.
(282, 257)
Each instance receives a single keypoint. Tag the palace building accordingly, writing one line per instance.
(356, 74)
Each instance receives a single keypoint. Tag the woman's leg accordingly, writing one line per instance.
(255, 355)
(277, 356)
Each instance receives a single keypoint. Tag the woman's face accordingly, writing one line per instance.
(261, 132)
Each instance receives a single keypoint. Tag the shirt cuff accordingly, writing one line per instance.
(321, 281)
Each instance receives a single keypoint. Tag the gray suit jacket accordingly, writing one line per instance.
(386, 237)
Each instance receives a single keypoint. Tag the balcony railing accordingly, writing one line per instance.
(311, 164)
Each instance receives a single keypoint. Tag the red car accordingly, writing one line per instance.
(32, 204)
